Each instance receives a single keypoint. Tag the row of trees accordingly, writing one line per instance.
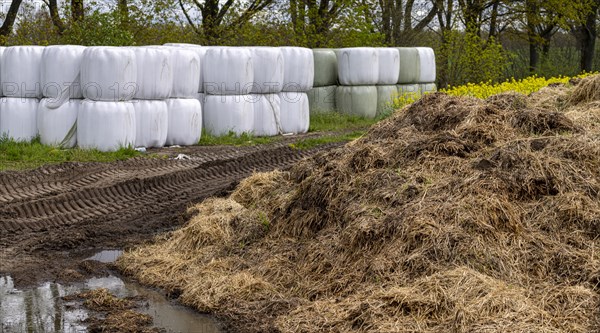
(474, 39)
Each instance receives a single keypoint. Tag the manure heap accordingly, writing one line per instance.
(106, 98)
(454, 215)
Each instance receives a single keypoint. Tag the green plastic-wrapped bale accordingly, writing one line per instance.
(427, 88)
(385, 98)
(357, 100)
(409, 89)
(409, 65)
(322, 99)
(326, 67)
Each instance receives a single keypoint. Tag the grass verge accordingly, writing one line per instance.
(25, 155)
(313, 142)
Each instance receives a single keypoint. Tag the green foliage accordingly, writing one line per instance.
(99, 28)
(466, 57)
(22, 155)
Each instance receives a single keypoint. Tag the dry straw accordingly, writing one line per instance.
(454, 215)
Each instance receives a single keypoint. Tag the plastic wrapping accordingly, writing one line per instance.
(201, 52)
(186, 72)
(228, 113)
(185, 122)
(409, 89)
(358, 66)
(61, 66)
(268, 70)
(20, 74)
(427, 88)
(322, 99)
(2, 49)
(154, 73)
(152, 123)
(385, 98)
(106, 126)
(18, 118)
(201, 97)
(326, 68)
(426, 65)
(389, 66)
(57, 127)
(295, 112)
(298, 73)
(409, 65)
(228, 71)
(108, 73)
(267, 114)
(357, 100)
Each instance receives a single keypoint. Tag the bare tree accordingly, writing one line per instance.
(11, 16)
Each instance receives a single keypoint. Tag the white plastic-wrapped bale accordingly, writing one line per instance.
(201, 51)
(185, 122)
(154, 73)
(385, 98)
(326, 68)
(322, 99)
(108, 73)
(186, 72)
(61, 67)
(57, 126)
(427, 88)
(268, 70)
(228, 71)
(267, 114)
(358, 66)
(152, 123)
(2, 49)
(201, 97)
(389, 66)
(18, 118)
(106, 126)
(426, 65)
(298, 73)
(413, 90)
(357, 100)
(409, 65)
(295, 112)
(228, 113)
(21, 66)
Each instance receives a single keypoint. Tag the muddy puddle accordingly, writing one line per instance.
(42, 309)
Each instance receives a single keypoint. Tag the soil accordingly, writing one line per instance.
(54, 217)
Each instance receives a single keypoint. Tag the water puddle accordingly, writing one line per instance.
(42, 309)
(106, 256)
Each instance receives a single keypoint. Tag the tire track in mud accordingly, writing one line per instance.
(123, 192)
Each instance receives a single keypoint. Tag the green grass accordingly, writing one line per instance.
(21, 155)
(232, 139)
(314, 142)
(331, 122)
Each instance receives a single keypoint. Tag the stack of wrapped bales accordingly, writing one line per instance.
(298, 77)
(183, 107)
(20, 77)
(106, 119)
(321, 97)
(358, 70)
(268, 83)
(417, 71)
(228, 82)
(154, 85)
(389, 67)
(63, 94)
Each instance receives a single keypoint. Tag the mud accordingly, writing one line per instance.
(54, 218)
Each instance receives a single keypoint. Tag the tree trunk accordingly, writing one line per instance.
(123, 7)
(9, 21)
(587, 39)
(55, 16)
(77, 10)
(534, 56)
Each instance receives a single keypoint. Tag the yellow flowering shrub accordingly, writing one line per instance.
(484, 90)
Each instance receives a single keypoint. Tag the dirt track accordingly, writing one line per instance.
(53, 217)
